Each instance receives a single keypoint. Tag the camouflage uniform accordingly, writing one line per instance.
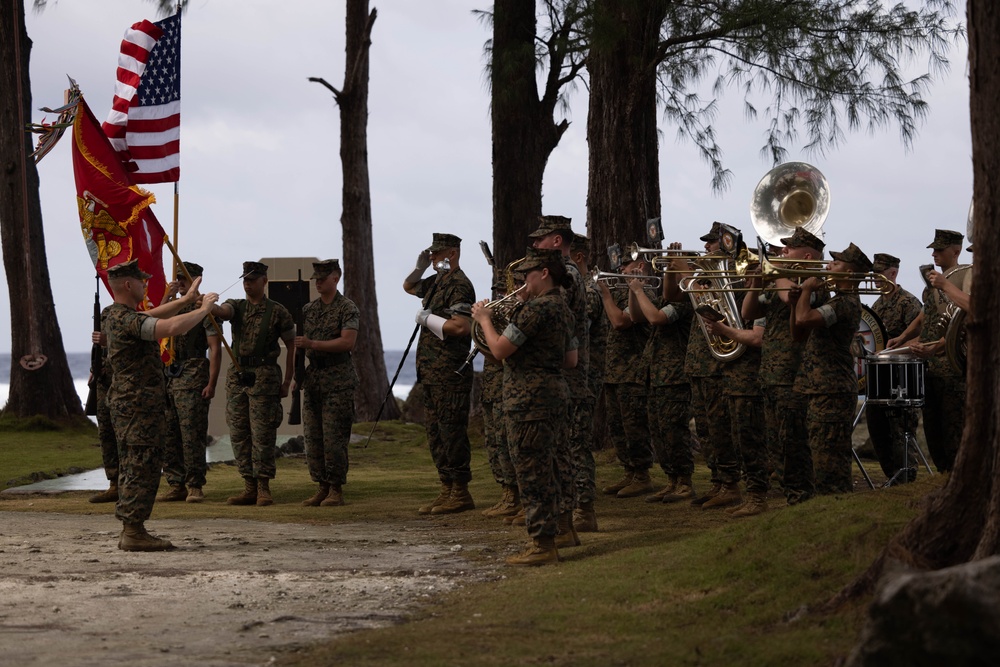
(105, 426)
(328, 390)
(944, 393)
(494, 427)
(253, 413)
(710, 407)
(625, 396)
(746, 413)
(828, 379)
(536, 397)
(187, 411)
(597, 338)
(669, 406)
(446, 394)
(887, 425)
(785, 433)
(137, 399)
(576, 462)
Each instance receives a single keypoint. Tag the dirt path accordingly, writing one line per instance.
(233, 593)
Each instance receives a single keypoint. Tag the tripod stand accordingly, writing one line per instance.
(909, 442)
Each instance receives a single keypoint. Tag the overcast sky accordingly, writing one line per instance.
(260, 169)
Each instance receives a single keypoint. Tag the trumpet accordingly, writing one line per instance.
(621, 279)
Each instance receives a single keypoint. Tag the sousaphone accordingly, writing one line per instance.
(792, 195)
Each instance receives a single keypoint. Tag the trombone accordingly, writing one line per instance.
(867, 282)
(621, 279)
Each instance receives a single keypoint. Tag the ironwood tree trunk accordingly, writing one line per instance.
(40, 379)
(356, 217)
(623, 189)
(961, 521)
(524, 132)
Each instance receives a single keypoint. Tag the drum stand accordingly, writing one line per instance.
(909, 441)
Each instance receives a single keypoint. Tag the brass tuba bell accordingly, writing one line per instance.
(793, 194)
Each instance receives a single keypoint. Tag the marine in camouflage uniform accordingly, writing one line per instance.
(137, 396)
(888, 425)
(827, 374)
(625, 392)
(445, 337)
(330, 328)
(495, 440)
(191, 381)
(538, 338)
(105, 427)
(785, 434)
(254, 393)
(669, 404)
(576, 460)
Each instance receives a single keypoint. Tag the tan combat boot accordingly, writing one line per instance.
(334, 498)
(756, 503)
(249, 495)
(516, 519)
(264, 492)
(459, 501)
(713, 492)
(135, 538)
(318, 497)
(639, 486)
(565, 534)
(542, 551)
(613, 489)
(176, 492)
(508, 505)
(109, 496)
(683, 491)
(664, 492)
(195, 495)
(728, 495)
(585, 518)
(442, 496)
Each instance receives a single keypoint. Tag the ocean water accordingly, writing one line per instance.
(79, 364)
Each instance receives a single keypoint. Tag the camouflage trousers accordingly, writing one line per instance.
(106, 434)
(186, 437)
(446, 418)
(495, 441)
(887, 427)
(944, 417)
(138, 481)
(787, 441)
(829, 421)
(747, 416)
(628, 425)
(327, 417)
(670, 428)
(253, 422)
(581, 447)
(533, 449)
(713, 425)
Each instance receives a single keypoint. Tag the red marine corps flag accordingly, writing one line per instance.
(145, 118)
(117, 223)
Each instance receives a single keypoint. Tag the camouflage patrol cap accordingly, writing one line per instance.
(945, 238)
(714, 234)
(580, 243)
(254, 269)
(884, 261)
(536, 258)
(129, 269)
(324, 268)
(801, 238)
(551, 223)
(443, 241)
(194, 270)
(853, 255)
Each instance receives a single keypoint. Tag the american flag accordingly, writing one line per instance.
(144, 123)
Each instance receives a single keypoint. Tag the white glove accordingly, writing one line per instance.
(435, 323)
(422, 316)
(423, 260)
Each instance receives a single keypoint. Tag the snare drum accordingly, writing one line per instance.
(896, 381)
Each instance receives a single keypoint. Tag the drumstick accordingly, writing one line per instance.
(897, 350)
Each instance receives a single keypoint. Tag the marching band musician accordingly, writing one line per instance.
(827, 376)
(944, 391)
(887, 425)
(445, 337)
(536, 347)
(785, 409)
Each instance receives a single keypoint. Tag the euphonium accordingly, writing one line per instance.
(719, 297)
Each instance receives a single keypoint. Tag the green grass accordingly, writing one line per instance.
(36, 448)
(660, 584)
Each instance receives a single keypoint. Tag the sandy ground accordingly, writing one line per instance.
(232, 593)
